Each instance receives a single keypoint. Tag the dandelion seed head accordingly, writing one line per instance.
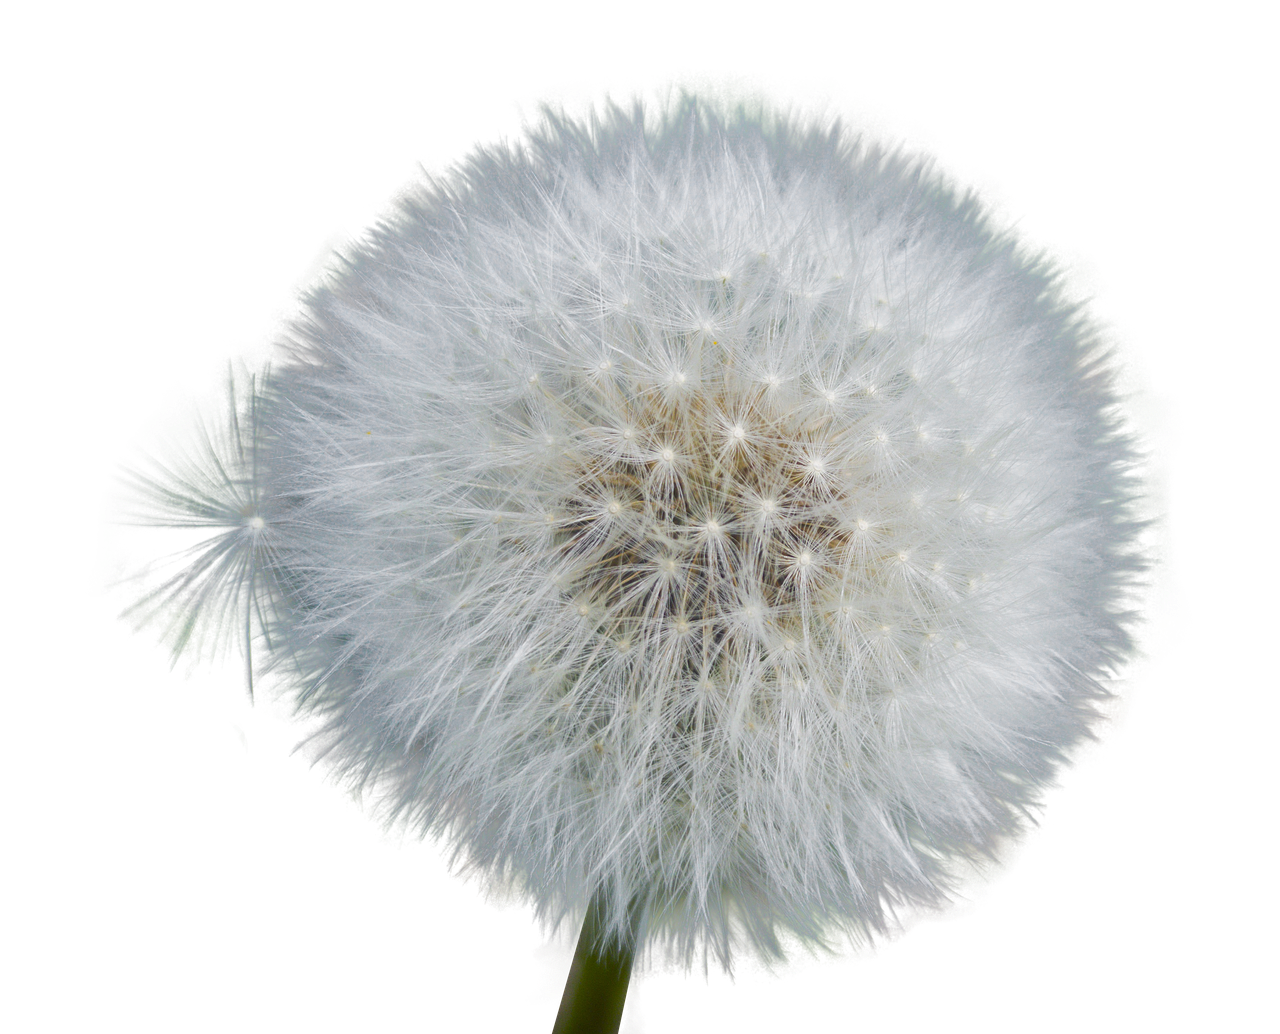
(660, 617)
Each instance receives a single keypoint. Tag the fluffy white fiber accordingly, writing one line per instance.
(698, 505)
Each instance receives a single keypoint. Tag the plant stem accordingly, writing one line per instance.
(597, 986)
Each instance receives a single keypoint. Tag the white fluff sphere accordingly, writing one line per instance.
(699, 505)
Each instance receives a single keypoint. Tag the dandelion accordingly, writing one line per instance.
(705, 521)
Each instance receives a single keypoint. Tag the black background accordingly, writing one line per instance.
(238, 874)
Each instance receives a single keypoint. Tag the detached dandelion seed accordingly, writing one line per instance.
(591, 507)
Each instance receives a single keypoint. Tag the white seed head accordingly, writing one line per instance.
(681, 666)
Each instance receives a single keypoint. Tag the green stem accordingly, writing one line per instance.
(597, 986)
